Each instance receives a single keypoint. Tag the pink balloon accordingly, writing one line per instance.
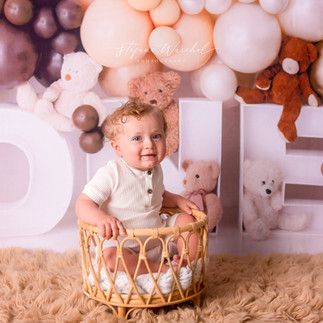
(303, 19)
(166, 14)
(196, 43)
(143, 5)
(114, 34)
(114, 81)
(247, 39)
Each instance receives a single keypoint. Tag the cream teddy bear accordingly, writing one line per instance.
(262, 201)
(200, 181)
(79, 74)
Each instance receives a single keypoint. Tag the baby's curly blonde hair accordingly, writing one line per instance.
(112, 125)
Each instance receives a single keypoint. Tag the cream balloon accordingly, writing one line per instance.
(218, 82)
(114, 34)
(246, 1)
(144, 5)
(195, 76)
(114, 81)
(164, 41)
(217, 7)
(317, 71)
(273, 7)
(191, 7)
(166, 14)
(196, 43)
(303, 19)
(247, 45)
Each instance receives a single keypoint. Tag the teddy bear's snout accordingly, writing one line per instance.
(268, 191)
(68, 77)
(153, 101)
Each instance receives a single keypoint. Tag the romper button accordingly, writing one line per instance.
(149, 191)
(149, 172)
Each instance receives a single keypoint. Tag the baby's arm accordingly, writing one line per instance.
(89, 212)
(175, 200)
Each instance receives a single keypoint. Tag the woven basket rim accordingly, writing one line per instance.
(131, 232)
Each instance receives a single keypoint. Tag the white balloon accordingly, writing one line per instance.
(273, 7)
(191, 7)
(218, 82)
(195, 76)
(246, 38)
(217, 7)
(303, 19)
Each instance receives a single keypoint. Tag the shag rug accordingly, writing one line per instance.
(41, 286)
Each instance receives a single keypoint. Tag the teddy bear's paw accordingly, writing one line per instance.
(263, 84)
(258, 230)
(43, 106)
(288, 131)
(51, 94)
(294, 222)
(239, 99)
(313, 100)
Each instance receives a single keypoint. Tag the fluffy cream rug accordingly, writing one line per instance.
(42, 286)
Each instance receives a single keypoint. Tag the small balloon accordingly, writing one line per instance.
(163, 41)
(85, 117)
(18, 56)
(18, 12)
(91, 142)
(45, 25)
(217, 7)
(69, 14)
(191, 7)
(273, 7)
(143, 5)
(49, 67)
(218, 82)
(166, 14)
(84, 3)
(65, 42)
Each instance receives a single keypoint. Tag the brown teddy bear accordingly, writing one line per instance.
(285, 83)
(158, 89)
(200, 181)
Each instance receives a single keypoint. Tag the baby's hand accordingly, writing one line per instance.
(186, 205)
(110, 227)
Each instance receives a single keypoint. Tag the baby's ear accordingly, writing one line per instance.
(186, 163)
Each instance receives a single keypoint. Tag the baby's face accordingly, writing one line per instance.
(142, 143)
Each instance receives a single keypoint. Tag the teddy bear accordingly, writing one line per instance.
(201, 177)
(285, 83)
(79, 74)
(158, 89)
(262, 206)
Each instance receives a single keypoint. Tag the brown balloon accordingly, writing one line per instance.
(69, 14)
(1, 5)
(91, 142)
(18, 12)
(45, 25)
(65, 42)
(18, 56)
(49, 67)
(85, 117)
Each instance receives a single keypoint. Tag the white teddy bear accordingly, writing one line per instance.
(79, 74)
(262, 201)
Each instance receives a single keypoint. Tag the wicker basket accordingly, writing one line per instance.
(122, 303)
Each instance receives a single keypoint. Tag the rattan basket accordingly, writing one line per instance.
(122, 303)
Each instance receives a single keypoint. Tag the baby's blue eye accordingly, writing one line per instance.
(136, 138)
(157, 136)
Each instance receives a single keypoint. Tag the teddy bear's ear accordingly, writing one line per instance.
(133, 86)
(312, 52)
(186, 163)
(172, 79)
(214, 168)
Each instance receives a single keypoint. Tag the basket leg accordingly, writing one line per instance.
(122, 311)
(197, 300)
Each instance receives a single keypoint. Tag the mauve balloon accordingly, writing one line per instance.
(85, 117)
(65, 42)
(42, 3)
(18, 56)
(69, 14)
(49, 67)
(18, 12)
(45, 25)
(91, 142)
